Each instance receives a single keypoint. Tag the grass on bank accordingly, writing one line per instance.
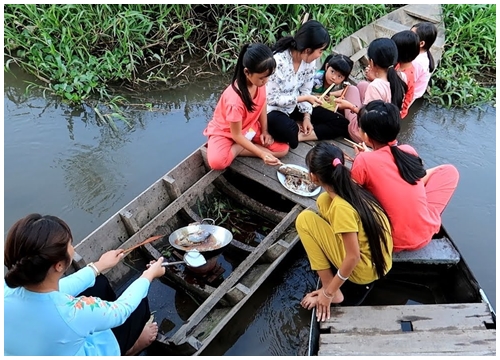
(83, 52)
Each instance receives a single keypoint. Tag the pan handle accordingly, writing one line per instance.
(208, 219)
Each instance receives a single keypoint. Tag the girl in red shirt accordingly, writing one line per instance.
(239, 123)
(413, 197)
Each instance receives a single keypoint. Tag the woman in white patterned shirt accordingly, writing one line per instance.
(289, 97)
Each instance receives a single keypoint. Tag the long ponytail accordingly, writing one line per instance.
(321, 161)
(382, 123)
(255, 58)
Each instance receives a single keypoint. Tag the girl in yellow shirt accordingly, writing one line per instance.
(351, 233)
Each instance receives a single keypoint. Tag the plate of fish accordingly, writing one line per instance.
(296, 179)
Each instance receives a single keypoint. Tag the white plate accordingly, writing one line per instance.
(281, 178)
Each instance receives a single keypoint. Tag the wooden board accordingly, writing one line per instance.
(439, 329)
(387, 319)
(454, 342)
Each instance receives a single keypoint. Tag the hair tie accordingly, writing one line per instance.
(392, 66)
(393, 143)
(336, 162)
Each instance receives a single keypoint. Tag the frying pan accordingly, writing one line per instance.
(218, 238)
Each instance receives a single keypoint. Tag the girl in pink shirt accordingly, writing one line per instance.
(413, 197)
(424, 62)
(239, 124)
(385, 84)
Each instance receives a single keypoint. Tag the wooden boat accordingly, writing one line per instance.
(169, 204)
(355, 45)
(429, 303)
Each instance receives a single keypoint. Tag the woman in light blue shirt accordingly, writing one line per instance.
(46, 313)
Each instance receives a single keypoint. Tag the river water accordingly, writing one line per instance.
(60, 160)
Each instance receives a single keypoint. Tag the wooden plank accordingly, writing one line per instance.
(271, 182)
(452, 342)
(387, 319)
(252, 283)
(430, 13)
(385, 27)
(438, 251)
(197, 189)
(232, 279)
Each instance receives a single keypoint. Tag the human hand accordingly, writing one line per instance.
(369, 73)
(343, 104)
(314, 100)
(109, 259)
(323, 306)
(307, 126)
(266, 139)
(155, 270)
(271, 160)
(361, 147)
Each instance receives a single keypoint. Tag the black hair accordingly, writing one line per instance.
(341, 63)
(382, 122)
(311, 35)
(384, 54)
(35, 243)
(256, 58)
(427, 32)
(319, 160)
(408, 45)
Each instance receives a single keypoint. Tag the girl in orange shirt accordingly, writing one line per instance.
(408, 49)
(239, 123)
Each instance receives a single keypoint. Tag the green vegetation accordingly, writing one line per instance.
(467, 73)
(80, 51)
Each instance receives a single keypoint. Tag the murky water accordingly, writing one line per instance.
(60, 160)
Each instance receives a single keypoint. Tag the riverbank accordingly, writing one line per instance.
(139, 47)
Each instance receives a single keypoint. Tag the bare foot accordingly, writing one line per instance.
(309, 301)
(148, 335)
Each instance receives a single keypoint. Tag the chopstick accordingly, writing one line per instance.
(354, 144)
(348, 157)
(279, 161)
(341, 96)
(324, 94)
(147, 241)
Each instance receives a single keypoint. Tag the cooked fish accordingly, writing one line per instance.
(299, 184)
(288, 170)
(193, 238)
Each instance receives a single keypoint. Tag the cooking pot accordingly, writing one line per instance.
(206, 238)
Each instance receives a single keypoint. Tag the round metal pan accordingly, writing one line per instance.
(219, 237)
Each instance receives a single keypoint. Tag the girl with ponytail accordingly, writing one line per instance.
(350, 238)
(413, 197)
(239, 124)
(384, 83)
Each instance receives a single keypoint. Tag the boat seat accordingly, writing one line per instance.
(386, 28)
(438, 251)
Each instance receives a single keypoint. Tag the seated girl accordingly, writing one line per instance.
(408, 49)
(350, 238)
(239, 123)
(413, 197)
(327, 123)
(386, 84)
(424, 62)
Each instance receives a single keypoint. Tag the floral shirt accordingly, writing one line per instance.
(59, 323)
(285, 85)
